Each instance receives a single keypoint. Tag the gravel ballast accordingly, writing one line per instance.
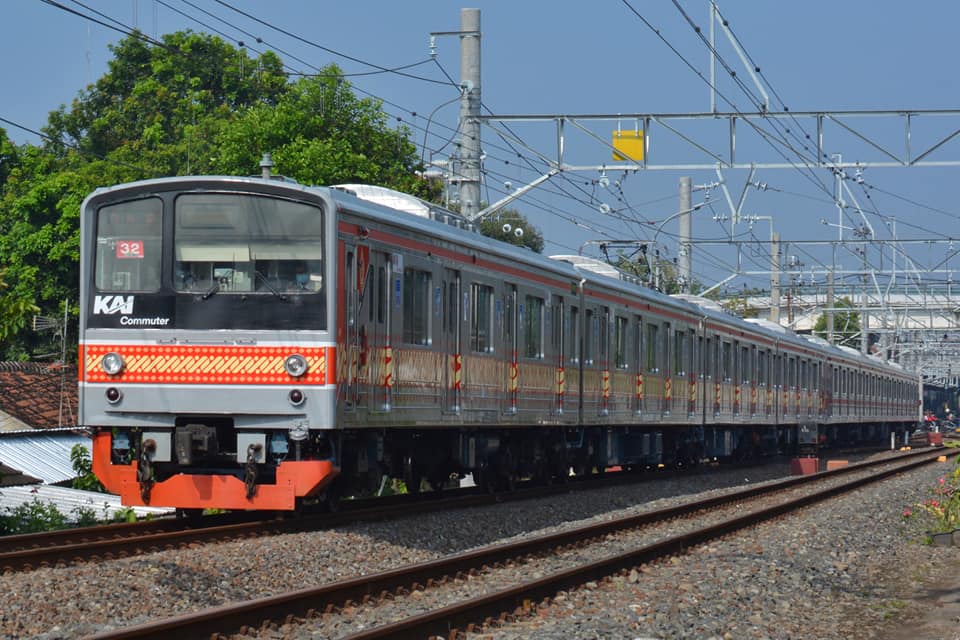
(838, 570)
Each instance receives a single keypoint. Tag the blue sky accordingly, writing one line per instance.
(545, 57)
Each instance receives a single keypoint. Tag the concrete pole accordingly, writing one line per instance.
(686, 247)
(774, 277)
(830, 304)
(864, 315)
(469, 112)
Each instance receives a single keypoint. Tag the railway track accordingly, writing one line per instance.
(60, 548)
(587, 552)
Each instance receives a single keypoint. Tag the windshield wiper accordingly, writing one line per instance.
(211, 291)
(269, 287)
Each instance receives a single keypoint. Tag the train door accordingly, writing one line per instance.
(451, 341)
(603, 359)
(558, 344)
(668, 367)
(511, 314)
(353, 287)
(588, 387)
(375, 333)
(638, 365)
(574, 371)
(708, 376)
(738, 364)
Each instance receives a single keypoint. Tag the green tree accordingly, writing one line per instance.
(493, 226)
(319, 132)
(83, 466)
(15, 312)
(664, 272)
(195, 105)
(846, 324)
(159, 108)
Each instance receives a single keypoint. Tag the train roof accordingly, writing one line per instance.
(421, 216)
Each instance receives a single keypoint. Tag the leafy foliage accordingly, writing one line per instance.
(32, 517)
(83, 466)
(195, 105)
(846, 324)
(493, 227)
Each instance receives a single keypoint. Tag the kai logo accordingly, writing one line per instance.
(110, 305)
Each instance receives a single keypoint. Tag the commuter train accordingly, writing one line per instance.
(252, 343)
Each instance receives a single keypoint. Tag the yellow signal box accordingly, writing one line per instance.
(628, 145)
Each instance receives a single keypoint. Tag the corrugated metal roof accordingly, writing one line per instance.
(10, 477)
(69, 502)
(43, 454)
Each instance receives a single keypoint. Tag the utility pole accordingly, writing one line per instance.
(838, 199)
(830, 304)
(774, 277)
(686, 248)
(470, 112)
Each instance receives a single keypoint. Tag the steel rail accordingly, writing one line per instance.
(30, 551)
(307, 602)
(507, 603)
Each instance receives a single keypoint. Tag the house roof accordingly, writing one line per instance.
(70, 502)
(43, 454)
(37, 395)
(10, 477)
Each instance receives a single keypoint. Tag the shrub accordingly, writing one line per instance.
(940, 513)
(32, 517)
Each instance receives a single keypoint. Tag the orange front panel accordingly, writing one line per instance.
(184, 491)
(181, 364)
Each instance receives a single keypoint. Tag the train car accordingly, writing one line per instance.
(251, 343)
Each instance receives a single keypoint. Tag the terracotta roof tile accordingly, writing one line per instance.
(38, 394)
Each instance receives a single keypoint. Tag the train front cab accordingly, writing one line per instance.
(207, 366)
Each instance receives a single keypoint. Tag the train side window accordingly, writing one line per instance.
(481, 321)
(653, 347)
(679, 347)
(620, 343)
(450, 299)
(557, 321)
(589, 333)
(726, 361)
(603, 337)
(574, 333)
(533, 327)
(708, 360)
(762, 363)
(638, 347)
(665, 356)
(381, 292)
(416, 306)
(351, 288)
(510, 312)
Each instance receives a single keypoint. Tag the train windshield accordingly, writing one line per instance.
(228, 243)
(129, 246)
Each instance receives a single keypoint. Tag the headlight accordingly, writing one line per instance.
(296, 365)
(112, 363)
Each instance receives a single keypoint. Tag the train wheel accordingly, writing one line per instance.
(329, 498)
(485, 478)
(191, 516)
(375, 479)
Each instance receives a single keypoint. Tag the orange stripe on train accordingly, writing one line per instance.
(181, 364)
